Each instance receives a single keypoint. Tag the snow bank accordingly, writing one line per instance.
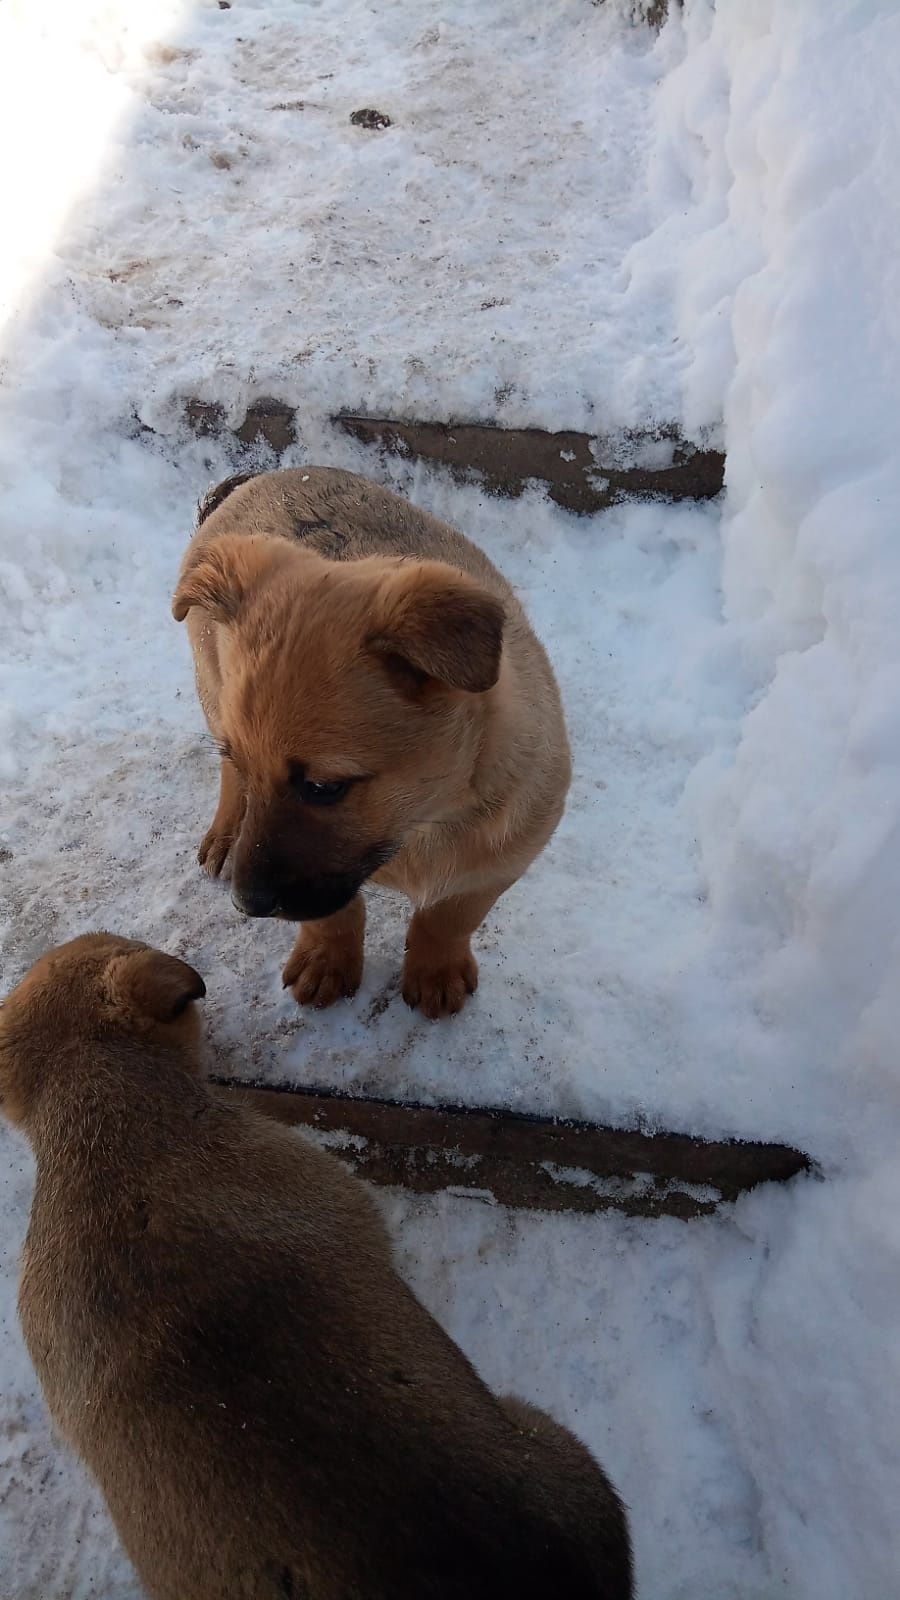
(783, 124)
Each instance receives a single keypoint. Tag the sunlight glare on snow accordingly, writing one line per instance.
(81, 53)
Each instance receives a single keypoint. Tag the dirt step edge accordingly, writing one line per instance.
(528, 1162)
(582, 473)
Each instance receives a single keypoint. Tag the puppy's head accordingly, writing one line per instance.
(352, 703)
(96, 988)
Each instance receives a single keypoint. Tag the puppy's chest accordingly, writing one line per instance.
(430, 866)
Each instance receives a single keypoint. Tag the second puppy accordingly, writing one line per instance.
(219, 1330)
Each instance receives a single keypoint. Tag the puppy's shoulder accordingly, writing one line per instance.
(290, 1168)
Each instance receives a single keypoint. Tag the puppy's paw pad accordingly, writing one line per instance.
(440, 991)
(214, 852)
(318, 977)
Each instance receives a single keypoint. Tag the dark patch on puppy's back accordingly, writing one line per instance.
(214, 497)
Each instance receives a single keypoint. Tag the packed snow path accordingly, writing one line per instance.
(712, 939)
(472, 255)
(192, 267)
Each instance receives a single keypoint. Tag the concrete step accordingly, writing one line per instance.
(527, 1162)
(581, 473)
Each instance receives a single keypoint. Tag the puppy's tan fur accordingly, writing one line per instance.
(342, 634)
(220, 1332)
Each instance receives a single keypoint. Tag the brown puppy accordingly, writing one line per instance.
(220, 1332)
(383, 711)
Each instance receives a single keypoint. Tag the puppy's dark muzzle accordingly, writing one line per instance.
(256, 901)
(271, 893)
(295, 904)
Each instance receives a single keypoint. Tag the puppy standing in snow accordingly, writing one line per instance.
(214, 1315)
(383, 711)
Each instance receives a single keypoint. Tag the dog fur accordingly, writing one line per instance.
(341, 635)
(219, 1330)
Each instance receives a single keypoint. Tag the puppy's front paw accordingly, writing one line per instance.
(319, 973)
(439, 988)
(214, 851)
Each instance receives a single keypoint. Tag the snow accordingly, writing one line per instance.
(485, 226)
(711, 942)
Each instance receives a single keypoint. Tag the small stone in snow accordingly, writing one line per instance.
(367, 118)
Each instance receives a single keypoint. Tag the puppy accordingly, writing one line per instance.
(383, 711)
(213, 1312)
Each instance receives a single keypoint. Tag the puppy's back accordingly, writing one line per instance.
(270, 1411)
(343, 516)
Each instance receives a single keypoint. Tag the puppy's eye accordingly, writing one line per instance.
(324, 794)
(318, 794)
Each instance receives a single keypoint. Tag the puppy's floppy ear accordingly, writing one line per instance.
(443, 624)
(152, 985)
(219, 577)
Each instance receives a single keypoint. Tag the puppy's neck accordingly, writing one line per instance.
(502, 733)
(94, 1103)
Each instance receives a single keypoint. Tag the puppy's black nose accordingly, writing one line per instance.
(258, 900)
